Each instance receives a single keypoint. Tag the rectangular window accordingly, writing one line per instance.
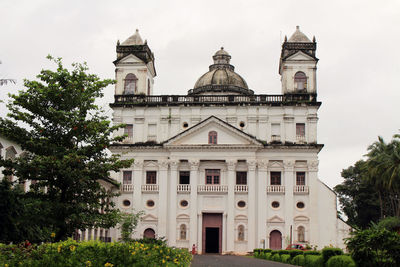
(128, 130)
(212, 176)
(241, 177)
(184, 177)
(275, 178)
(151, 177)
(152, 132)
(127, 179)
(275, 129)
(300, 129)
(300, 178)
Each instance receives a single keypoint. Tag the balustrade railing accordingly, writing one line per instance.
(275, 189)
(301, 189)
(182, 99)
(127, 188)
(275, 138)
(183, 188)
(212, 188)
(300, 139)
(150, 188)
(241, 189)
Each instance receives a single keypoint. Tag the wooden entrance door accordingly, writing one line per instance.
(212, 233)
(275, 240)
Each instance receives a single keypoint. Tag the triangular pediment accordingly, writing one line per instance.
(149, 217)
(227, 135)
(300, 56)
(131, 59)
(275, 219)
(275, 164)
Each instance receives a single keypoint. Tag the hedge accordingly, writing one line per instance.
(330, 252)
(311, 252)
(314, 261)
(285, 258)
(276, 257)
(298, 260)
(92, 253)
(340, 261)
(293, 253)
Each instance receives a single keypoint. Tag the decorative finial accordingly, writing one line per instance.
(145, 41)
(313, 39)
(297, 27)
(285, 38)
(137, 30)
(222, 48)
(118, 42)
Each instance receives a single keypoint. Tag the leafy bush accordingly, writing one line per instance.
(293, 253)
(285, 258)
(314, 261)
(298, 260)
(276, 257)
(267, 250)
(268, 256)
(330, 252)
(390, 223)
(311, 252)
(375, 247)
(92, 253)
(273, 252)
(283, 251)
(340, 261)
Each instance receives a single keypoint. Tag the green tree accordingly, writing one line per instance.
(128, 223)
(66, 135)
(358, 197)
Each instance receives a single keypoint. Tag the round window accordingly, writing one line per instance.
(242, 124)
(184, 203)
(275, 204)
(241, 204)
(126, 203)
(300, 205)
(185, 125)
(150, 203)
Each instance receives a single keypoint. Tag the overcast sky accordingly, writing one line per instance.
(357, 44)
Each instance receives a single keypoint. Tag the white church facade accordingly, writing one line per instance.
(223, 168)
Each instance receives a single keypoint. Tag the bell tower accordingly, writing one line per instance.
(298, 64)
(134, 67)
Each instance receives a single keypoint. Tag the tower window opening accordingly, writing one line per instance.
(130, 84)
(212, 138)
(300, 81)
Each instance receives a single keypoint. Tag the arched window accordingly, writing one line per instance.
(212, 137)
(182, 232)
(241, 233)
(130, 84)
(149, 233)
(300, 234)
(148, 86)
(300, 81)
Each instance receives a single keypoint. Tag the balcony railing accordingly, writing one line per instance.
(183, 188)
(301, 139)
(149, 188)
(127, 188)
(300, 189)
(141, 100)
(241, 188)
(212, 188)
(275, 138)
(275, 189)
(128, 140)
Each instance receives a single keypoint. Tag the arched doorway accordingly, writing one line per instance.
(275, 240)
(149, 233)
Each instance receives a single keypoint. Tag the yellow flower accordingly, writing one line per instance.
(53, 235)
(163, 261)
(88, 263)
(108, 264)
(59, 248)
(6, 265)
(72, 248)
(133, 253)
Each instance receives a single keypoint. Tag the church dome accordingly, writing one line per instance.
(134, 39)
(298, 37)
(221, 78)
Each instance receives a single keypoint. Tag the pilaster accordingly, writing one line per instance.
(262, 201)
(172, 202)
(288, 178)
(314, 203)
(162, 201)
(251, 165)
(137, 184)
(194, 168)
(230, 229)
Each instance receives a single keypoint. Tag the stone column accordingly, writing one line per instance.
(251, 164)
(288, 182)
(194, 169)
(172, 202)
(225, 233)
(230, 220)
(313, 204)
(137, 188)
(262, 201)
(162, 198)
